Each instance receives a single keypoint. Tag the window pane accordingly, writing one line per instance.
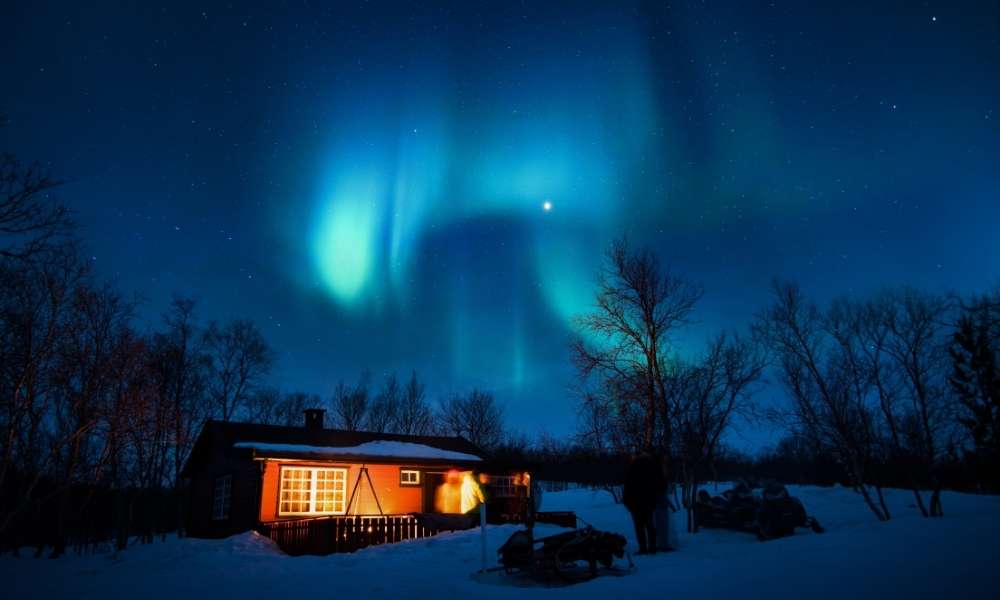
(221, 496)
(312, 491)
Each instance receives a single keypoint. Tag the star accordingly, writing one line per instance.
(547, 205)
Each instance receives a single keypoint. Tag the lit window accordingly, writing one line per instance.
(221, 497)
(409, 477)
(313, 491)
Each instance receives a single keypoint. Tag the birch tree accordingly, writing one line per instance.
(239, 358)
(625, 342)
(823, 371)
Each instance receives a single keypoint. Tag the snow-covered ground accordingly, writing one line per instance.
(908, 557)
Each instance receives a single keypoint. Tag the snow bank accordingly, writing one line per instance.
(388, 449)
(908, 557)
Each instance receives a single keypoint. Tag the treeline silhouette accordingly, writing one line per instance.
(787, 462)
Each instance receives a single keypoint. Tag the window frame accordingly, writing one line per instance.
(222, 504)
(313, 470)
(415, 483)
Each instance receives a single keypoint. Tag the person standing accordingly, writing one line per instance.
(644, 484)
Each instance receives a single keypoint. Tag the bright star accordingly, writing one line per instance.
(547, 206)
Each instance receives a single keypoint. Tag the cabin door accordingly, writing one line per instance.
(432, 481)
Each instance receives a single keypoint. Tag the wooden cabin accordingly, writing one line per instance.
(311, 482)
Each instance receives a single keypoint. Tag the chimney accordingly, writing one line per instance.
(314, 418)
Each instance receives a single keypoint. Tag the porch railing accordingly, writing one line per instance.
(328, 535)
(333, 534)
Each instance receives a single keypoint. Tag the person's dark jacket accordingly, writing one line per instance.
(644, 483)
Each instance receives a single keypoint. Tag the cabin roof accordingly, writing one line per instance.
(278, 441)
(378, 448)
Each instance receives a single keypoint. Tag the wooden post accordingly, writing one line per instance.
(482, 529)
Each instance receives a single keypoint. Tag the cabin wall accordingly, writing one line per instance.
(393, 497)
(244, 493)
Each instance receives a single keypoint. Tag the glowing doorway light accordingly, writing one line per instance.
(460, 493)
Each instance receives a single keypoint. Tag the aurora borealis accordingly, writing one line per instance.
(368, 182)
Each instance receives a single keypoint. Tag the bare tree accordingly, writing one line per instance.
(83, 381)
(414, 416)
(293, 406)
(264, 406)
(595, 422)
(476, 417)
(611, 417)
(711, 392)
(30, 219)
(135, 431)
(350, 404)
(903, 339)
(239, 359)
(823, 371)
(975, 383)
(607, 425)
(181, 367)
(36, 306)
(272, 407)
(383, 411)
(626, 340)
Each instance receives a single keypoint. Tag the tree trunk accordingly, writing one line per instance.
(650, 431)
(871, 504)
(936, 509)
(694, 499)
(881, 501)
(920, 502)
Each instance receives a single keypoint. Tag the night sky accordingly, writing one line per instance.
(431, 187)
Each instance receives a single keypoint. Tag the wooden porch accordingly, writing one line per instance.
(336, 534)
(333, 534)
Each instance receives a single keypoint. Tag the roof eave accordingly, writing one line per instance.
(362, 458)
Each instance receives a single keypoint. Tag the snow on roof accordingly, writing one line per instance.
(384, 448)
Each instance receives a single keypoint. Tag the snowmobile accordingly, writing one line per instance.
(559, 554)
(771, 514)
